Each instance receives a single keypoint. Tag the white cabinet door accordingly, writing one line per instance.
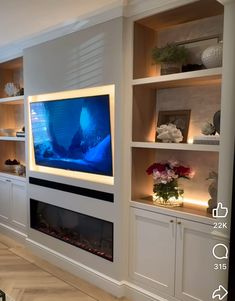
(152, 250)
(4, 199)
(196, 278)
(18, 204)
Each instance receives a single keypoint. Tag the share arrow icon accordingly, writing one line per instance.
(221, 293)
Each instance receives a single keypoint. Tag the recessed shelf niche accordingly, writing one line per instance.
(195, 189)
(11, 115)
(191, 22)
(11, 72)
(203, 102)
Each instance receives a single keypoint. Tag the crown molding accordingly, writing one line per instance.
(135, 7)
(126, 8)
(224, 2)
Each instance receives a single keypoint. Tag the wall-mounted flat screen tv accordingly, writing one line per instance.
(72, 132)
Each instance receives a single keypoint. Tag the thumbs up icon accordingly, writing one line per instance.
(220, 211)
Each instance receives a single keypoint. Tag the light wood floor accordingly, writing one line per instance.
(26, 277)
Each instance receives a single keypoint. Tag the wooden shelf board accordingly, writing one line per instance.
(177, 146)
(180, 212)
(6, 138)
(192, 78)
(183, 14)
(12, 64)
(12, 100)
(11, 175)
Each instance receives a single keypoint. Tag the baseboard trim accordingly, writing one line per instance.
(116, 288)
(137, 293)
(98, 279)
(13, 233)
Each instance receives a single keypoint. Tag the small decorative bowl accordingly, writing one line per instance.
(11, 168)
(8, 132)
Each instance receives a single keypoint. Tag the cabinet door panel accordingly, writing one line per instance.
(19, 208)
(152, 250)
(4, 199)
(196, 278)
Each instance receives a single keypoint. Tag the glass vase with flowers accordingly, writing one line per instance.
(166, 190)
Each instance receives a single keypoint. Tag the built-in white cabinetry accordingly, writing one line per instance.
(152, 250)
(196, 278)
(4, 199)
(174, 256)
(13, 207)
(171, 249)
(18, 204)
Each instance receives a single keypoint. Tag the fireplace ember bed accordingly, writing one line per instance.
(86, 232)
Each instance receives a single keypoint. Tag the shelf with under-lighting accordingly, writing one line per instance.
(9, 138)
(177, 146)
(185, 211)
(13, 100)
(192, 78)
(12, 175)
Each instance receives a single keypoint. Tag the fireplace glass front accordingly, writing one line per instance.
(86, 232)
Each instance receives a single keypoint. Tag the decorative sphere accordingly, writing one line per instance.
(212, 56)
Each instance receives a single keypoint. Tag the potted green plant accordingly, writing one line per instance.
(171, 57)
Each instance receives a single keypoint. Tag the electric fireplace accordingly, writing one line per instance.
(86, 232)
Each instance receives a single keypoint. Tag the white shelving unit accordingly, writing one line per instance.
(11, 114)
(151, 226)
(13, 100)
(184, 79)
(177, 146)
(8, 138)
(193, 90)
(13, 201)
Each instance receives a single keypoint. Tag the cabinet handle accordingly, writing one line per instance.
(179, 223)
(171, 221)
(7, 180)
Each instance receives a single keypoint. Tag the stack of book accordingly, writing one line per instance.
(213, 140)
(20, 134)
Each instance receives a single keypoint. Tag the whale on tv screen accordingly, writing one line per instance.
(73, 134)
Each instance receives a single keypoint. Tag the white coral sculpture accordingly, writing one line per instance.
(11, 89)
(169, 133)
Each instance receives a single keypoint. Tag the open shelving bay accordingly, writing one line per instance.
(11, 116)
(198, 91)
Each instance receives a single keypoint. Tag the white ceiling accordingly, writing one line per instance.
(20, 19)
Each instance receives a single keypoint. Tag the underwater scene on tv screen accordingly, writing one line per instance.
(73, 134)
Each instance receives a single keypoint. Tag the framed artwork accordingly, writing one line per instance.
(2, 296)
(197, 46)
(179, 118)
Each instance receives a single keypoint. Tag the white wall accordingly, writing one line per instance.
(91, 57)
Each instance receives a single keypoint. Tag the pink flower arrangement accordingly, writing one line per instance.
(169, 171)
(165, 176)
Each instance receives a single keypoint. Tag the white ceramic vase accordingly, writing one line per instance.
(212, 56)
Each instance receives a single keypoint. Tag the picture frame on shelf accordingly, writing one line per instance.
(180, 118)
(195, 48)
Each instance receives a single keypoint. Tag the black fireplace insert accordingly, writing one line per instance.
(86, 232)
